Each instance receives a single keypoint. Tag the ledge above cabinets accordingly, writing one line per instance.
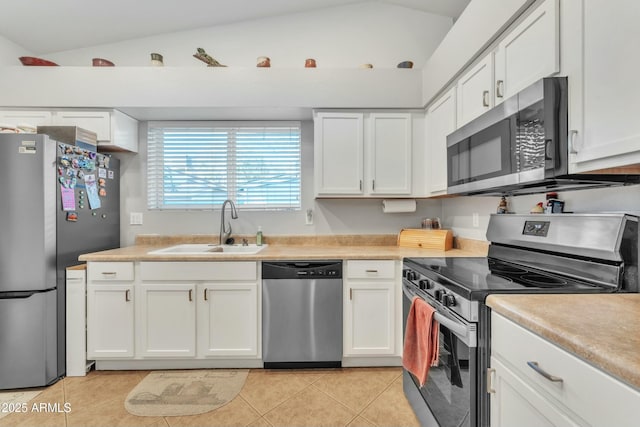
(151, 91)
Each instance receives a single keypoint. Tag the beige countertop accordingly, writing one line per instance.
(602, 329)
(279, 252)
(288, 248)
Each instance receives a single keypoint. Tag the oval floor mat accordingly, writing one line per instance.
(188, 392)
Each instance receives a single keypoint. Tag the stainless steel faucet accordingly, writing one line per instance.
(225, 231)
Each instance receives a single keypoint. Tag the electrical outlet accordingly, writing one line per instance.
(476, 219)
(309, 217)
(135, 218)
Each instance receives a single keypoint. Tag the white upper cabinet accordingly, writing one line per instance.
(529, 52)
(599, 56)
(441, 121)
(361, 154)
(475, 90)
(339, 148)
(390, 153)
(115, 130)
(25, 117)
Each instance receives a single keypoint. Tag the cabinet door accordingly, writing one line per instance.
(390, 153)
(475, 91)
(515, 403)
(166, 316)
(604, 97)
(124, 134)
(228, 319)
(338, 142)
(110, 332)
(95, 121)
(28, 117)
(529, 52)
(441, 121)
(369, 318)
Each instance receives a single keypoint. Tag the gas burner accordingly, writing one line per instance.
(541, 281)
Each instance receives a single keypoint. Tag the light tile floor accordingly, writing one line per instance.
(338, 397)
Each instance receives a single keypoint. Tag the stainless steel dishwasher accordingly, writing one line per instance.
(302, 314)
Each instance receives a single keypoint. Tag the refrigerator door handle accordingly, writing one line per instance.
(17, 295)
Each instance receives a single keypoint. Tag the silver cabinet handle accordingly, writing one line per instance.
(127, 295)
(500, 88)
(485, 98)
(573, 149)
(538, 369)
(490, 372)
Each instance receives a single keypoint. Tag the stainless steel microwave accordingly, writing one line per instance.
(520, 147)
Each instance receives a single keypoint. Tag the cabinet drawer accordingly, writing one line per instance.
(371, 269)
(110, 271)
(582, 384)
(232, 270)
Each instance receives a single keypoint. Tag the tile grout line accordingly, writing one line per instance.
(361, 414)
(338, 402)
(286, 400)
(250, 405)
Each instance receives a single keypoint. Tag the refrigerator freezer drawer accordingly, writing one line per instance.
(28, 340)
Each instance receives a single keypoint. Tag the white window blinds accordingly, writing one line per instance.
(198, 165)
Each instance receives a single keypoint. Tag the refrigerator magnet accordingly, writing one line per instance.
(72, 216)
(80, 174)
(101, 182)
(68, 198)
(102, 173)
(102, 192)
(110, 174)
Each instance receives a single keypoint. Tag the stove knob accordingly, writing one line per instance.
(438, 294)
(448, 300)
(424, 284)
(405, 271)
(412, 275)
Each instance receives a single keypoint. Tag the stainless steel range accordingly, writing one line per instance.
(562, 253)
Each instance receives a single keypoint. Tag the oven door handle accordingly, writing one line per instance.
(459, 329)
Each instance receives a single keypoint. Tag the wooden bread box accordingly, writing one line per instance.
(425, 239)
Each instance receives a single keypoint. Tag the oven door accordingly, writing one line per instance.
(448, 398)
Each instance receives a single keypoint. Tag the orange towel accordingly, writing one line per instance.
(421, 340)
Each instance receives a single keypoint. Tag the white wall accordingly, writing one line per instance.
(330, 216)
(10, 52)
(457, 213)
(344, 36)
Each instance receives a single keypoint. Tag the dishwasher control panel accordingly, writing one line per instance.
(302, 269)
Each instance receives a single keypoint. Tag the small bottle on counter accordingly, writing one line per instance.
(503, 208)
(259, 236)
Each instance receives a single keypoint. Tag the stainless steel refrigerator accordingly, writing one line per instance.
(57, 201)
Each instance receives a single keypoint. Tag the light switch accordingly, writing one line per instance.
(135, 218)
(309, 218)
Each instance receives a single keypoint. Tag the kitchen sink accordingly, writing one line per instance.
(208, 249)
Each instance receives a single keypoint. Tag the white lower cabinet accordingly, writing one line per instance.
(536, 383)
(110, 324)
(174, 314)
(110, 310)
(370, 308)
(228, 319)
(166, 319)
(516, 403)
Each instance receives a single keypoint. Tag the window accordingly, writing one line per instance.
(198, 165)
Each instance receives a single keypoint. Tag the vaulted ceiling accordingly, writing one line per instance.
(59, 25)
